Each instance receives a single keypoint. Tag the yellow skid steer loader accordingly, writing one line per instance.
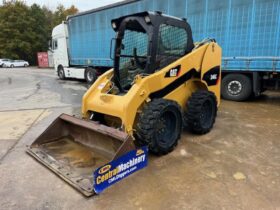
(161, 80)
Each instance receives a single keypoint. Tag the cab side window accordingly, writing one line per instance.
(54, 45)
(172, 44)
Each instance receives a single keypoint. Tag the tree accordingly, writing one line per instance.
(16, 33)
(26, 30)
(49, 20)
(40, 29)
(61, 13)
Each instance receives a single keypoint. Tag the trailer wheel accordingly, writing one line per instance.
(90, 75)
(61, 73)
(201, 111)
(159, 126)
(236, 87)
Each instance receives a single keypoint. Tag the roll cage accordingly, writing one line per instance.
(152, 24)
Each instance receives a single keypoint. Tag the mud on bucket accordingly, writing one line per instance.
(73, 148)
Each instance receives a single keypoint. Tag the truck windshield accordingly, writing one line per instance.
(133, 56)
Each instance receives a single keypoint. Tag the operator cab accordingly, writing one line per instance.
(147, 42)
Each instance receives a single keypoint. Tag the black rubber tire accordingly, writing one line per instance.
(61, 73)
(201, 111)
(12, 66)
(90, 75)
(159, 126)
(241, 82)
(25, 65)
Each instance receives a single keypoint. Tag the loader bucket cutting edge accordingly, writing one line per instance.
(73, 148)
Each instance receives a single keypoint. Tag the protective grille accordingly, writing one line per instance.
(172, 44)
(132, 41)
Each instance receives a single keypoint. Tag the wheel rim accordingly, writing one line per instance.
(90, 76)
(60, 73)
(234, 87)
(166, 129)
(207, 113)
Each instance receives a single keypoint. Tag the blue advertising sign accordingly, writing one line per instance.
(116, 170)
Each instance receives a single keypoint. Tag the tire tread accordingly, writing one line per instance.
(194, 106)
(145, 126)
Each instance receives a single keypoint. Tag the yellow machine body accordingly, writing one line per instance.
(125, 107)
(144, 104)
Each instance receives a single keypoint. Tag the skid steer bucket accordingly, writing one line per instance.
(73, 148)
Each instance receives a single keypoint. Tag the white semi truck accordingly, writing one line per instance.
(61, 57)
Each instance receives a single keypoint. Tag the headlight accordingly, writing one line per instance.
(114, 25)
(147, 19)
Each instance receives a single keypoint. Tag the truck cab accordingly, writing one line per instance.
(60, 51)
(59, 47)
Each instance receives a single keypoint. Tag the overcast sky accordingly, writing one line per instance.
(82, 5)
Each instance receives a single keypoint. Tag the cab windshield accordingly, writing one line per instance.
(133, 56)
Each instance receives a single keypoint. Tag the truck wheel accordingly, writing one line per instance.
(201, 111)
(60, 73)
(236, 87)
(159, 126)
(90, 75)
